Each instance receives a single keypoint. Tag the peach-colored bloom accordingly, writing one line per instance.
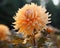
(31, 17)
(4, 32)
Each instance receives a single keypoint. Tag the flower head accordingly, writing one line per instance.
(4, 32)
(31, 17)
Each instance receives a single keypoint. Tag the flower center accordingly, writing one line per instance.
(29, 14)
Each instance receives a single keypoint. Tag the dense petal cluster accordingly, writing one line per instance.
(4, 32)
(31, 17)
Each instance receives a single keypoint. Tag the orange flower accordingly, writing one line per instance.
(4, 32)
(31, 17)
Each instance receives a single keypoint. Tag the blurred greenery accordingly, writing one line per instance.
(55, 11)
